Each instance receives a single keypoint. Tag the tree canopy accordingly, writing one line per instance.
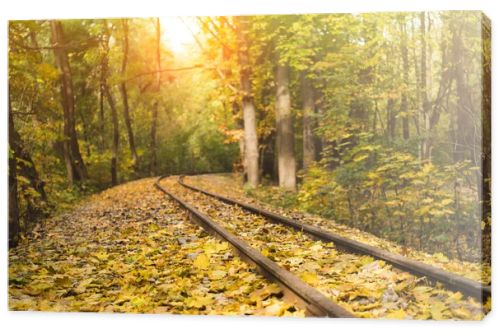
(380, 121)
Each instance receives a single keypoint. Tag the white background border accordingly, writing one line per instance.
(20, 322)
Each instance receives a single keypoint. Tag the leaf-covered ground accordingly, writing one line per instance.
(129, 249)
(230, 185)
(367, 287)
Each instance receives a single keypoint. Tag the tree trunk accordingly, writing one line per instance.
(249, 117)
(284, 130)
(112, 106)
(32, 192)
(123, 91)
(154, 122)
(406, 69)
(308, 122)
(116, 135)
(102, 138)
(484, 186)
(391, 119)
(465, 113)
(427, 142)
(75, 166)
(240, 166)
(433, 109)
(14, 225)
(84, 91)
(416, 116)
(268, 158)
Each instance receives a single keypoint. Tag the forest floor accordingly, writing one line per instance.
(131, 249)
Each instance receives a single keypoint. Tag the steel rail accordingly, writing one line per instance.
(313, 301)
(449, 280)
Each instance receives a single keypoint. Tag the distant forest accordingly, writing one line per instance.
(379, 121)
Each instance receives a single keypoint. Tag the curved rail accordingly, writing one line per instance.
(451, 281)
(314, 302)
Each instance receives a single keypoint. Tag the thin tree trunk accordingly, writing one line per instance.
(14, 225)
(308, 139)
(154, 121)
(75, 166)
(84, 91)
(154, 124)
(426, 144)
(464, 122)
(101, 113)
(435, 106)
(249, 117)
(116, 136)
(391, 119)
(406, 69)
(123, 90)
(112, 106)
(285, 131)
(416, 117)
(484, 175)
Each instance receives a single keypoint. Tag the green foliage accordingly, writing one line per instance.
(422, 188)
(370, 176)
(419, 205)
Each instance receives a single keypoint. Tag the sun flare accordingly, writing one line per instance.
(177, 33)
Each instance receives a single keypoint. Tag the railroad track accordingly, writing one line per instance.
(220, 214)
(449, 280)
(313, 301)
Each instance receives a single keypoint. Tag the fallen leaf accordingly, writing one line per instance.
(202, 261)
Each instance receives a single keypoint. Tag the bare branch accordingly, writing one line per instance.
(217, 70)
(207, 26)
(165, 70)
